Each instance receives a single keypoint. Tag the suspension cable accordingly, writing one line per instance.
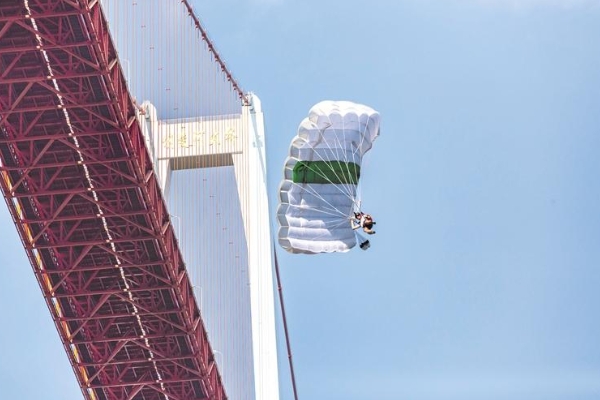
(218, 58)
(285, 327)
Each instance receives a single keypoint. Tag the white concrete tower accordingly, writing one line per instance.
(190, 144)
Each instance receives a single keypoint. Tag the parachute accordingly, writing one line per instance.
(318, 193)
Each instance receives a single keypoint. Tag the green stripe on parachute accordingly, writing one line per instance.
(334, 172)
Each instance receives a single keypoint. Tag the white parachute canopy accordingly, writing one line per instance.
(317, 196)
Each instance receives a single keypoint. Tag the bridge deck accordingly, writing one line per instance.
(80, 186)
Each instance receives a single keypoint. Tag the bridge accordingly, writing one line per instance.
(145, 223)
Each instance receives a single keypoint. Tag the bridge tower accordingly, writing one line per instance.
(235, 142)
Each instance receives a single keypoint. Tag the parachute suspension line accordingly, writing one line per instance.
(343, 160)
(344, 188)
(285, 327)
(346, 161)
(356, 199)
(356, 156)
(330, 209)
(315, 192)
(321, 174)
(340, 224)
(310, 189)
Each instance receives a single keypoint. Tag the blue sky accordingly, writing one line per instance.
(482, 279)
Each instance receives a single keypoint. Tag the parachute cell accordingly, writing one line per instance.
(318, 193)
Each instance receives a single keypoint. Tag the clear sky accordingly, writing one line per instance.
(482, 280)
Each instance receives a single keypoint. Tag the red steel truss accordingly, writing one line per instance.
(81, 189)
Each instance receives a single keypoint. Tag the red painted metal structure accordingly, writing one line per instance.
(81, 189)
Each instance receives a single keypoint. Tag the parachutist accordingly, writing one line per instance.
(321, 180)
(365, 221)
